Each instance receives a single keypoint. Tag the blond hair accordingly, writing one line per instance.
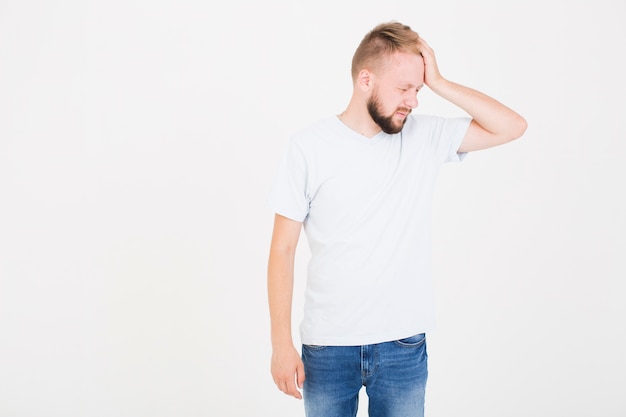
(381, 42)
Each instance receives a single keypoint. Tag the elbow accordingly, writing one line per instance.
(518, 127)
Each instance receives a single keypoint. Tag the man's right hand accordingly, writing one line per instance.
(288, 370)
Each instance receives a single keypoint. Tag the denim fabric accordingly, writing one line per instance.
(394, 375)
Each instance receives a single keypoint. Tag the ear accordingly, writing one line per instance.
(364, 80)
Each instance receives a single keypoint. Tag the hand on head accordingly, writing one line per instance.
(431, 70)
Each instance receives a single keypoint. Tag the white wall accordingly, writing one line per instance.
(138, 140)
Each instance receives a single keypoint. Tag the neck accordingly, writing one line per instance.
(357, 118)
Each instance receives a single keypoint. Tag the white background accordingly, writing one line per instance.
(138, 141)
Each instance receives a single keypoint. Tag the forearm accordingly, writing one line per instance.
(489, 113)
(287, 367)
(280, 295)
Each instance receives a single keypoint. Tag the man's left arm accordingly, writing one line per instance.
(493, 123)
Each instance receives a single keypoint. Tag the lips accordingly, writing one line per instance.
(403, 112)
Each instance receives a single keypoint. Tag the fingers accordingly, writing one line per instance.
(291, 382)
(288, 386)
(425, 49)
(300, 375)
(288, 371)
(432, 76)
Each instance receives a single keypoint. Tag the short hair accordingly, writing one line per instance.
(382, 41)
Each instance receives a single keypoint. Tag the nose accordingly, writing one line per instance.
(411, 101)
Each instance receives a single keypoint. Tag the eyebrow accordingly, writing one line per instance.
(408, 85)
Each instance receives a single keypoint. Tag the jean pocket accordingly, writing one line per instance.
(412, 341)
(313, 347)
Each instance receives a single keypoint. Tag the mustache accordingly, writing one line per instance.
(404, 110)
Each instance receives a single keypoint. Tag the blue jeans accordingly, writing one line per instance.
(394, 375)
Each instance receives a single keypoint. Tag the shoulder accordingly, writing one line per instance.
(428, 124)
(317, 133)
(317, 127)
(423, 121)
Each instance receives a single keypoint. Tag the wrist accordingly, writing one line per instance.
(437, 84)
(282, 341)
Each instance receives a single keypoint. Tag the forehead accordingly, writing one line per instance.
(404, 67)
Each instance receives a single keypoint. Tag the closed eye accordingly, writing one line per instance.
(405, 89)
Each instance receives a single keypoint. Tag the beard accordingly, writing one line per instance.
(386, 123)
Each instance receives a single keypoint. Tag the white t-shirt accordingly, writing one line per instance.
(366, 208)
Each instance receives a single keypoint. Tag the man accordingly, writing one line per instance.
(361, 184)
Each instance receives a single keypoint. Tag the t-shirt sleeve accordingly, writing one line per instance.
(450, 134)
(288, 195)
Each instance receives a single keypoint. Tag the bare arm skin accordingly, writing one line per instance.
(287, 366)
(493, 123)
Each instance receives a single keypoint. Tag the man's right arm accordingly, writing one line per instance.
(287, 367)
